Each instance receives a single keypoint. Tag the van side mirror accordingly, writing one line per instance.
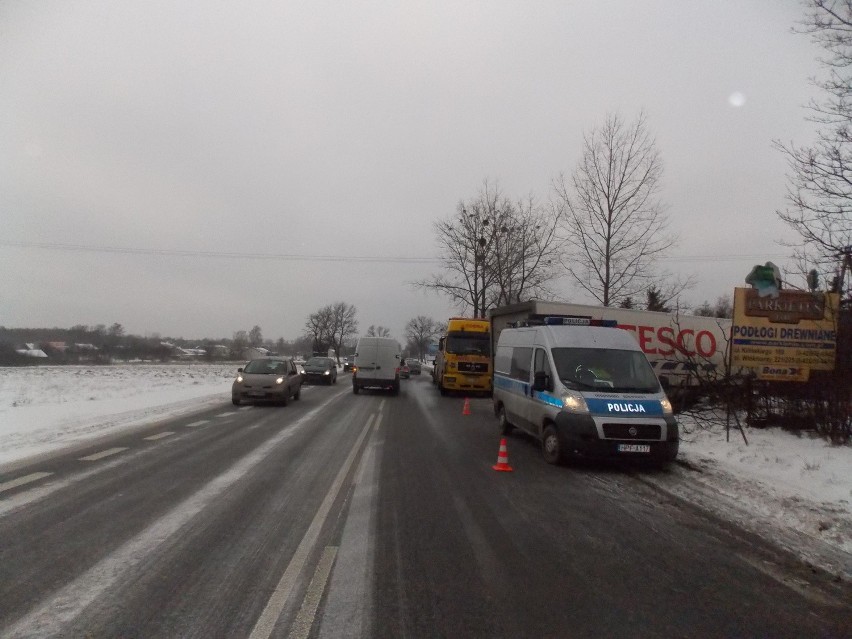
(541, 382)
(239, 370)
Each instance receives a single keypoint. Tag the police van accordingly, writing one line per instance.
(584, 388)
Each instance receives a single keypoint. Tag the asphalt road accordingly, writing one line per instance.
(376, 516)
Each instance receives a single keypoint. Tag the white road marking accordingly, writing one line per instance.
(305, 619)
(382, 404)
(152, 438)
(200, 422)
(103, 453)
(346, 612)
(268, 618)
(53, 616)
(228, 414)
(20, 481)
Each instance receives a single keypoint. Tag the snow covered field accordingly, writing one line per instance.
(794, 490)
(44, 408)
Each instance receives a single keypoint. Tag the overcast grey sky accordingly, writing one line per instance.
(345, 129)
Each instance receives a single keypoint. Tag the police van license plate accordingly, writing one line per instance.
(634, 448)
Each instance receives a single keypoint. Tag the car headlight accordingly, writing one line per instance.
(666, 406)
(240, 379)
(327, 373)
(574, 402)
(280, 380)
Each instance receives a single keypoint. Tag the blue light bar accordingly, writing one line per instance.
(578, 321)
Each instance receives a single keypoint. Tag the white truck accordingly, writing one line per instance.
(683, 349)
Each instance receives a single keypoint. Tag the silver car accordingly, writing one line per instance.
(271, 379)
(413, 366)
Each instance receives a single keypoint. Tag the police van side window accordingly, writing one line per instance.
(503, 360)
(541, 364)
(521, 360)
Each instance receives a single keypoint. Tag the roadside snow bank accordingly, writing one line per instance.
(795, 490)
(46, 408)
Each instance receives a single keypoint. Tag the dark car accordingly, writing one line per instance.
(404, 373)
(348, 363)
(270, 379)
(321, 370)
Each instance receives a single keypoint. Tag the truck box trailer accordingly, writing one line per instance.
(683, 349)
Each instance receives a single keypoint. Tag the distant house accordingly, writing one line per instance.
(256, 352)
(30, 350)
(59, 347)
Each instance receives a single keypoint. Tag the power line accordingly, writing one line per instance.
(127, 250)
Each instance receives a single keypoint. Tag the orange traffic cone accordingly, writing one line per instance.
(502, 458)
(466, 409)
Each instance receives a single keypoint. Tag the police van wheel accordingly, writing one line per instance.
(503, 422)
(550, 446)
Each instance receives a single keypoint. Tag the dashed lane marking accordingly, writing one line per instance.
(52, 616)
(278, 600)
(21, 481)
(158, 436)
(228, 414)
(200, 422)
(103, 453)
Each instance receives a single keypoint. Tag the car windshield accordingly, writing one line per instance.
(467, 344)
(605, 369)
(318, 362)
(265, 367)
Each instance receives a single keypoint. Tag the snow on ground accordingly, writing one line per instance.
(794, 490)
(44, 408)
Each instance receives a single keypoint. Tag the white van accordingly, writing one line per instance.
(377, 362)
(583, 388)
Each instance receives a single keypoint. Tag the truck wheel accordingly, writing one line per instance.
(235, 401)
(503, 424)
(551, 448)
(354, 389)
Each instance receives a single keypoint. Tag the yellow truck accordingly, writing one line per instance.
(463, 360)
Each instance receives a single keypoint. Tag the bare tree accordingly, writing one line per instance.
(614, 224)
(343, 325)
(378, 331)
(318, 327)
(420, 331)
(819, 192)
(494, 251)
(238, 344)
(255, 336)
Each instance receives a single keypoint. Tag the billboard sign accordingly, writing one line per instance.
(781, 334)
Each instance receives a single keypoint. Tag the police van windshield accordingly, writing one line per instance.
(467, 344)
(605, 369)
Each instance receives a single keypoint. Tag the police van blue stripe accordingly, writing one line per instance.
(523, 388)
